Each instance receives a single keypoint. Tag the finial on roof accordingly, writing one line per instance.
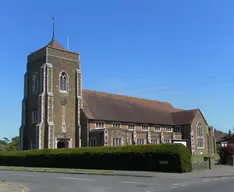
(53, 27)
(53, 43)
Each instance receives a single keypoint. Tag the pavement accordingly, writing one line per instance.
(217, 171)
(59, 182)
(12, 187)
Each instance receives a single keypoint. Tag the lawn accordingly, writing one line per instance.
(200, 158)
(197, 158)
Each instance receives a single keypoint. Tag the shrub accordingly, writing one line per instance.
(163, 158)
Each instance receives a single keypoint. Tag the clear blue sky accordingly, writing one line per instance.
(133, 47)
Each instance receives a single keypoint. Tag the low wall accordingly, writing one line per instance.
(200, 165)
(230, 160)
(207, 163)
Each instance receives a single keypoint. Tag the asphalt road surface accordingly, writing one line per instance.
(219, 185)
(56, 182)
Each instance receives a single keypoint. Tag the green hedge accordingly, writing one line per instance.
(131, 157)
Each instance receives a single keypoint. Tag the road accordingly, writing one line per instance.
(56, 182)
(223, 184)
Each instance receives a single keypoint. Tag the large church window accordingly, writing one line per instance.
(63, 80)
(200, 135)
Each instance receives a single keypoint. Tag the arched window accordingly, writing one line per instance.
(63, 81)
(200, 136)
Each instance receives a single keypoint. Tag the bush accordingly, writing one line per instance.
(163, 158)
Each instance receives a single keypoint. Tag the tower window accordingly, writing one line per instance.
(34, 83)
(63, 81)
(34, 116)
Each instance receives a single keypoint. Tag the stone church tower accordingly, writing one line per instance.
(52, 99)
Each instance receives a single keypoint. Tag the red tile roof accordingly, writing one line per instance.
(54, 44)
(219, 136)
(113, 107)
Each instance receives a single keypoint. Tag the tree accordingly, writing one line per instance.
(229, 133)
(9, 145)
(14, 144)
(6, 140)
(3, 144)
(2, 147)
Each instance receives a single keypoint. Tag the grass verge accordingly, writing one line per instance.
(200, 158)
(57, 170)
(197, 158)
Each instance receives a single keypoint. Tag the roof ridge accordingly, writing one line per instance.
(185, 110)
(126, 96)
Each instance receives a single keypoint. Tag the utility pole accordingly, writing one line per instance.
(210, 147)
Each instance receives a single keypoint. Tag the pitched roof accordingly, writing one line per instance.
(219, 136)
(113, 107)
(184, 117)
(54, 44)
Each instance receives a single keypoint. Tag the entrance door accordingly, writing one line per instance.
(62, 144)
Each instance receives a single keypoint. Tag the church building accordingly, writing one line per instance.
(58, 113)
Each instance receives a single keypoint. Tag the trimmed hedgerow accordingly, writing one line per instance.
(162, 157)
